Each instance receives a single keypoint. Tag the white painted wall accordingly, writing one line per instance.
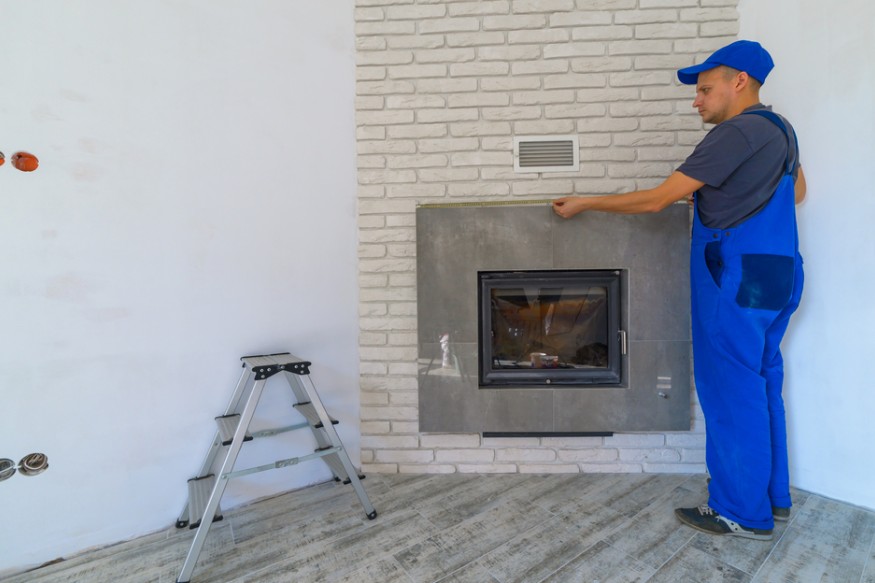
(195, 202)
(825, 83)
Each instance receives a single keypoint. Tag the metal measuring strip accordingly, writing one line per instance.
(487, 203)
(534, 201)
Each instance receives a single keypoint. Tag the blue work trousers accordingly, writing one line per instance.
(746, 283)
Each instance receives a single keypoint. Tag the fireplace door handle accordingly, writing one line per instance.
(622, 335)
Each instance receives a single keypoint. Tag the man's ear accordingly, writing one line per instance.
(742, 80)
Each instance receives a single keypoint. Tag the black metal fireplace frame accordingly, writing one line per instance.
(609, 376)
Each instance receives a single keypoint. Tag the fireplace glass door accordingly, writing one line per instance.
(550, 328)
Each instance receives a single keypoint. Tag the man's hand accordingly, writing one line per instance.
(568, 206)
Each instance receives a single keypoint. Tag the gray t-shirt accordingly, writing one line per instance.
(741, 161)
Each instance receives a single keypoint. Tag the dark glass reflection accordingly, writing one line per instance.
(557, 327)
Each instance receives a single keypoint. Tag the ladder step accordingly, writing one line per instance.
(228, 426)
(332, 460)
(309, 411)
(199, 490)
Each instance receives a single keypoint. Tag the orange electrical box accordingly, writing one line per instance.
(25, 162)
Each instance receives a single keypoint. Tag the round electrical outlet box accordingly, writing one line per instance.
(33, 464)
(25, 161)
(7, 469)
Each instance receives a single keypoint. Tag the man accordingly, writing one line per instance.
(746, 277)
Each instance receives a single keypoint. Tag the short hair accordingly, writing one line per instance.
(729, 72)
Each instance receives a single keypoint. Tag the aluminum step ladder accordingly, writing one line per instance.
(204, 491)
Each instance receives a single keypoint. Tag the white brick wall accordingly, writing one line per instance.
(442, 87)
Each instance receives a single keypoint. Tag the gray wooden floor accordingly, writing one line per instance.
(491, 529)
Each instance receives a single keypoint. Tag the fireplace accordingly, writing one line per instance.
(556, 327)
(625, 370)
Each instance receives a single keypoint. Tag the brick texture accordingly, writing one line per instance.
(442, 88)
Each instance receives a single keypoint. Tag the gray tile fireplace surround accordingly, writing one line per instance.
(454, 243)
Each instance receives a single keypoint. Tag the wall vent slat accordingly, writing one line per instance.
(546, 154)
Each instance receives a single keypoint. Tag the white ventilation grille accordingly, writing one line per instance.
(546, 154)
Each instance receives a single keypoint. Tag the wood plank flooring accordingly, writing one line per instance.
(605, 528)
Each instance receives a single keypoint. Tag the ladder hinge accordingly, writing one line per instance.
(265, 372)
(299, 368)
(267, 365)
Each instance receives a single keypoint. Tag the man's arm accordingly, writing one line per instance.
(801, 187)
(676, 187)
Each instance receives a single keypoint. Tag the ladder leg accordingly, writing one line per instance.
(234, 403)
(301, 396)
(213, 452)
(184, 517)
(221, 481)
(304, 382)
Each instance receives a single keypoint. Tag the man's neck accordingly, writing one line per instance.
(742, 103)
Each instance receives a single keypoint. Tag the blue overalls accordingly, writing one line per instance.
(746, 283)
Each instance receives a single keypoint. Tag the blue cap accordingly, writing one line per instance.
(744, 55)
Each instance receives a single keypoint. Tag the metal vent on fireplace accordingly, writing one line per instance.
(546, 154)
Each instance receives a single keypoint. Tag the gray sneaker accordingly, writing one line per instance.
(707, 519)
(781, 514)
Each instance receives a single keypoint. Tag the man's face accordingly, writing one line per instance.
(714, 94)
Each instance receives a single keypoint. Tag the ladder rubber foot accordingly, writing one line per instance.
(198, 523)
(372, 515)
(181, 523)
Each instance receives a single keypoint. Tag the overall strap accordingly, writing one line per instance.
(776, 119)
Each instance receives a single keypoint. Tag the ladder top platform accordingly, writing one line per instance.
(267, 365)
